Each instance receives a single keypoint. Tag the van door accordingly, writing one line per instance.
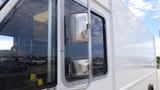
(79, 48)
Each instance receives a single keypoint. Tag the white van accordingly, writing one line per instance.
(74, 45)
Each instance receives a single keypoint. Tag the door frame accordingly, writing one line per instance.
(61, 80)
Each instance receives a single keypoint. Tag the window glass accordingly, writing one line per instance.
(24, 47)
(73, 50)
(79, 50)
(98, 45)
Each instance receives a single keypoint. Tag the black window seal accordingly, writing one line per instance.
(104, 41)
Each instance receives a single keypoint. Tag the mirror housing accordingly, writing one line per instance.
(78, 27)
(79, 68)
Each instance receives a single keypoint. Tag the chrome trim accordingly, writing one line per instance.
(49, 77)
(79, 68)
(89, 44)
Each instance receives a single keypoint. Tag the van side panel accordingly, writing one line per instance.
(133, 49)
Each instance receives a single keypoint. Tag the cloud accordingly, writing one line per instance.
(141, 7)
(137, 12)
(138, 7)
(140, 4)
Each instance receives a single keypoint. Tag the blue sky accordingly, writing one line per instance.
(148, 12)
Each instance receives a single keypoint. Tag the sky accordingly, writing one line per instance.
(7, 42)
(148, 12)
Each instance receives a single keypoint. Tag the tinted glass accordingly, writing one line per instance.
(24, 47)
(79, 50)
(73, 50)
(98, 45)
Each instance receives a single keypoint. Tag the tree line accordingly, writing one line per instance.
(158, 61)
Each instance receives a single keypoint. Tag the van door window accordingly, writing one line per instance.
(99, 53)
(79, 50)
(24, 47)
(73, 50)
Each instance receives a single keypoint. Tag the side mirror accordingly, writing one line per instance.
(79, 68)
(78, 27)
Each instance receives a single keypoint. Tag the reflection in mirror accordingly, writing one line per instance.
(79, 68)
(78, 27)
(6, 42)
(75, 48)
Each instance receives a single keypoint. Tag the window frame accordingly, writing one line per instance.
(104, 40)
(82, 81)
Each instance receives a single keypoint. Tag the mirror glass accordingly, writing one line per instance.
(79, 68)
(76, 40)
(78, 27)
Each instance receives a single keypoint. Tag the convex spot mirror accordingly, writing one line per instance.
(78, 27)
(79, 68)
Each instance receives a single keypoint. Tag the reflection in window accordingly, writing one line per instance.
(79, 50)
(24, 47)
(6, 42)
(73, 50)
(98, 45)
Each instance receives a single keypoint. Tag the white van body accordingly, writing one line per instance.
(130, 46)
(131, 50)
